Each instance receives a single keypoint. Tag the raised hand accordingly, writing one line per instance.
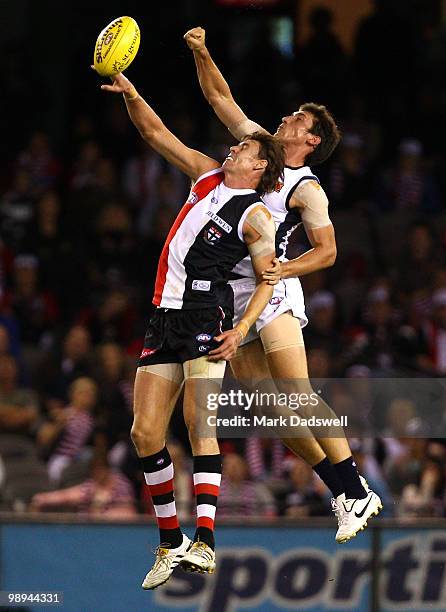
(195, 38)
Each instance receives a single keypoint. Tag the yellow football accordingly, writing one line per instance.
(116, 46)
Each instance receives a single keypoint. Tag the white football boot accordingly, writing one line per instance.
(166, 561)
(199, 558)
(353, 514)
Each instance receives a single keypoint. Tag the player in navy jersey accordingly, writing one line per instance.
(222, 222)
(275, 349)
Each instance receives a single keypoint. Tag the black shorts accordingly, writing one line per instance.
(176, 336)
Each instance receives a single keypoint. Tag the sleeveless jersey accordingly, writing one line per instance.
(203, 246)
(286, 219)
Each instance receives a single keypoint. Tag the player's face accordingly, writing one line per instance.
(295, 127)
(243, 157)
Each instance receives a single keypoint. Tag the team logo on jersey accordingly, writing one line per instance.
(212, 235)
(220, 222)
(147, 352)
(278, 186)
(193, 198)
(275, 301)
(203, 337)
(203, 348)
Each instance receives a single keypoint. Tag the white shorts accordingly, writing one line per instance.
(287, 296)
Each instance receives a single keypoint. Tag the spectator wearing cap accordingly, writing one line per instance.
(408, 186)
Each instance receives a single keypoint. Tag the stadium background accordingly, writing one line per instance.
(84, 210)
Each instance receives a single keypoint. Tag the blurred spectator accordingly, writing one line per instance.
(17, 211)
(320, 61)
(36, 310)
(107, 493)
(113, 252)
(64, 436)
(19, 412)
(323, 332)
(349, 181)
(432, 346)
(39, 160)
(320, 363)
(420, 257)
(375, 340)
(238, 495)
(408, 186)
(151, 183)
(114, 417)
(305, 497)
(66, 362)
(114, 320)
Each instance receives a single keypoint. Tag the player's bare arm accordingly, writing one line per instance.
(154, 132)
(216, 90)
(259, 234)
(312, 202)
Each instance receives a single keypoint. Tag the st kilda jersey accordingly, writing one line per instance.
(286, 219)
(203, 246)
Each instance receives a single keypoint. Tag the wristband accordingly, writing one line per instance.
(133, 96)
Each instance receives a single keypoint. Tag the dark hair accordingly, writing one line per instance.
(273, 151)
(324, 126)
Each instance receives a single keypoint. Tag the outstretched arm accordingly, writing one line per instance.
(311, 201)
(152, 129)
(259, 234)
(216, 90)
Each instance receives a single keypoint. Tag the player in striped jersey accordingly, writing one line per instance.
(222, 222)
(309, 135)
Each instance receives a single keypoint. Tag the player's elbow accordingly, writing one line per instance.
(330, 254)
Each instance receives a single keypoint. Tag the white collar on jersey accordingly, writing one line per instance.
(236, 191)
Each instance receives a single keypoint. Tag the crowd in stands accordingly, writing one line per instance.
(81, 230)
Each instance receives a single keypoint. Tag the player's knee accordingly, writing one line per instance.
(144, 437)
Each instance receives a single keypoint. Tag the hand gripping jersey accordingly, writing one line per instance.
(203, 246)
(286, 219)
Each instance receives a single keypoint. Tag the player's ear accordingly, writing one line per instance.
(261, 164)
(313, 140)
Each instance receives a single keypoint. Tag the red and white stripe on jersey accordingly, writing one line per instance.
(171, 275)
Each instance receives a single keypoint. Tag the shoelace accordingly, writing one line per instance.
(202, 550)
(162, 559)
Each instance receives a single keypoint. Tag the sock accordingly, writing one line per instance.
(348, 474)
(158, 472)
(329, 476)
(207, 478)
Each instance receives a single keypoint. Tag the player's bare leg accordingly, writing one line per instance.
(154, 399)
(250, 366)
(203, 377)
(288, 367)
